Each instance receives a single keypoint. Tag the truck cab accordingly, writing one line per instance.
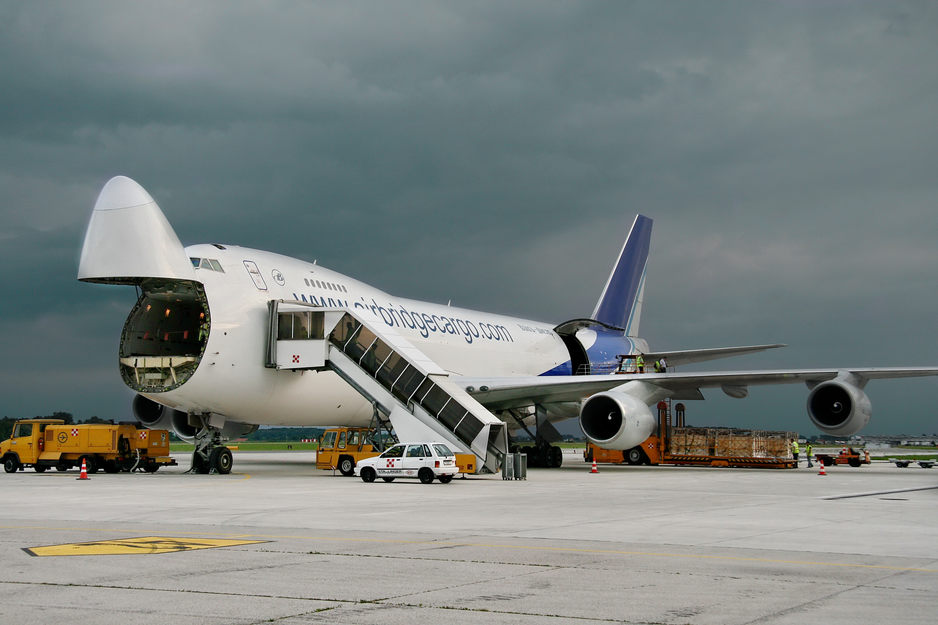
(344, 448)
(25, 444)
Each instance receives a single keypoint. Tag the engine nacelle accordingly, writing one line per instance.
(839, 408)
(151, 414)
(616, 420)
(159, 417)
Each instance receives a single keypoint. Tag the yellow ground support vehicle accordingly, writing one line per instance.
(46, 443)
(344, 448)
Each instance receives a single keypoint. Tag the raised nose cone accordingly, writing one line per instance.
(129, 239)
(121, 192)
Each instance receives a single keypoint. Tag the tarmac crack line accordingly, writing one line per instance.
(803, 606)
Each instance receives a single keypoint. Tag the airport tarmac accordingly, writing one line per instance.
(627, 545)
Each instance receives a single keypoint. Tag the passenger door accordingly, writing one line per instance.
(391, 462)
(23, 442)
(415, 459)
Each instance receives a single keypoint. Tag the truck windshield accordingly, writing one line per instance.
(23, 429)
(328, 440)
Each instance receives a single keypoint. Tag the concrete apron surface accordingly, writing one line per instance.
(626, 545)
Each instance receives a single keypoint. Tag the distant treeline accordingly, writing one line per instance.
(6, 424)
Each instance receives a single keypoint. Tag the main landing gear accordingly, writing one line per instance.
(542, 454)
(210, 453)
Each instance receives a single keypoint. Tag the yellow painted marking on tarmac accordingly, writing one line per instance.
(269, 537)
(145, 545)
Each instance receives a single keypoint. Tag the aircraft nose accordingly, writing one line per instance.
(121, 192)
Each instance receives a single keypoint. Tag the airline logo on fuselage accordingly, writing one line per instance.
(424, 323)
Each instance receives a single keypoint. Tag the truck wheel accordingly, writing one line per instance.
(90, 465)
(425, 475)
(368, 474)
(445, 479)
(634, 456)
(388, 479)
(110, 466)
(40, 468)
(11, 464)
(221, 460)
(854, 462)
(346, 466)
(61, 467)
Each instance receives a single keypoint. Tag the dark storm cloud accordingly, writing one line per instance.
(493, 154)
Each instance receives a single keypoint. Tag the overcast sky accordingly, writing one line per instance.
(493, 154)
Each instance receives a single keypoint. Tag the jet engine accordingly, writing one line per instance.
(616, 420)
(156, 416)
(839, 408)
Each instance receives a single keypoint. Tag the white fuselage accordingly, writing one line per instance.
(232, 381)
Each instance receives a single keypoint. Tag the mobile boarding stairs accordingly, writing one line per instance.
(401, 382)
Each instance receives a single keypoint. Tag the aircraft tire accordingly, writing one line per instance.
(388, 479)
(425, 475)
(61, 467)
(151, 468)
(368, 474)
(445, 479)
(346, 466)
(199, 464)
(556, 457)
(221, 460)
(40, 468)
(110, 467)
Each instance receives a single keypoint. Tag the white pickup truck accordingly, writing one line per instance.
(425, 461)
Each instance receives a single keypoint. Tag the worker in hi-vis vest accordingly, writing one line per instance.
(640, 363)
(795, 450)
(807, 453)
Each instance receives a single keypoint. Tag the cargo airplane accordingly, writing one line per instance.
(224, 338)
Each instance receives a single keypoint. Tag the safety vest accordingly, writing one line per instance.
(794, 447)
(808, 449)
(640, 362)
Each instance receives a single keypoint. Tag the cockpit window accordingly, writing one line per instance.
(195, 262)
(207, 263)
(216, 266)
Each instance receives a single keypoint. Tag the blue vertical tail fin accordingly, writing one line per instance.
(620, 304)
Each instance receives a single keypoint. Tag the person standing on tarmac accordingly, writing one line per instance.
(795, 450)
(807, 453)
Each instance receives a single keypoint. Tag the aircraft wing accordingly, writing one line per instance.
(690, 356)
(505, 393)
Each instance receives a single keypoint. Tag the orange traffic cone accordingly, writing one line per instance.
(84, 471)
(821, 472)
(594, 469)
